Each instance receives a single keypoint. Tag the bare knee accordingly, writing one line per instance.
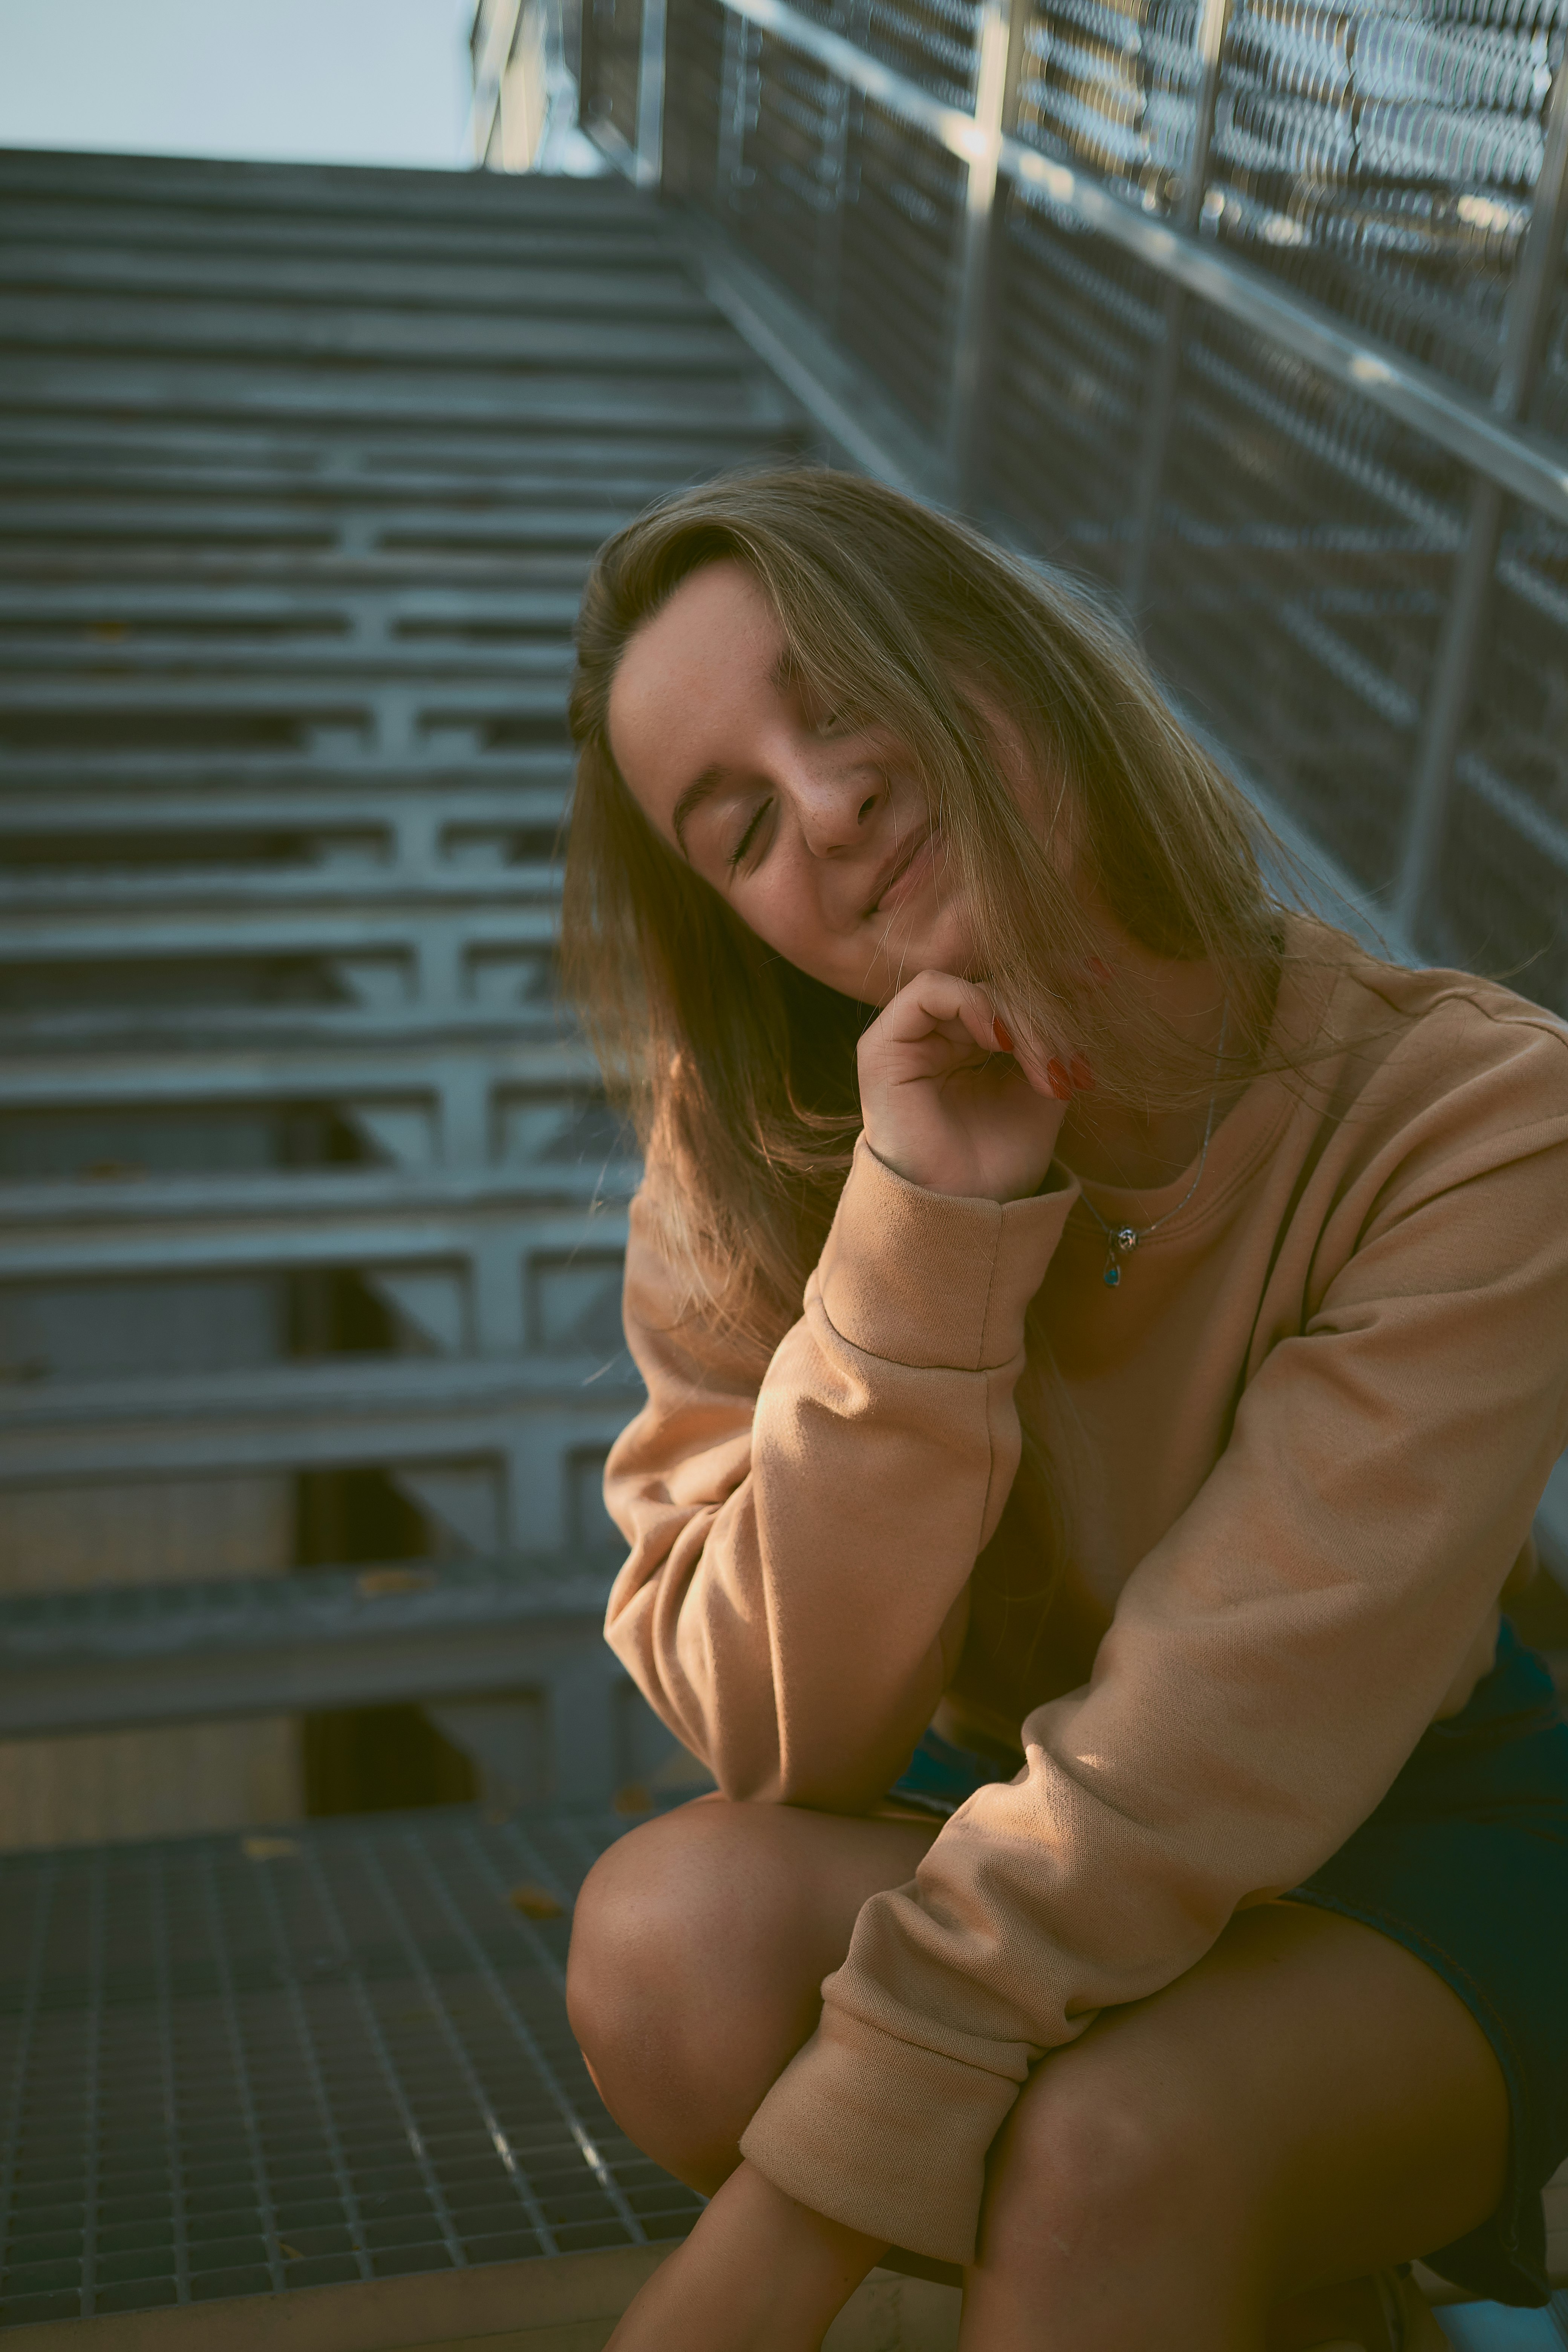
(687, 1987)
(685, 1919)
(1100, 2166)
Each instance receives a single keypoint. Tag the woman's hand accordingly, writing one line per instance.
(758, 2274)
(950, 1102)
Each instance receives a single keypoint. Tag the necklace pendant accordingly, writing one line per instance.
(1120, 1243)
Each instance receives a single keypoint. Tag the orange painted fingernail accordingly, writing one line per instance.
(1057, 1080)
(1003, 1039)
(1081, 1075)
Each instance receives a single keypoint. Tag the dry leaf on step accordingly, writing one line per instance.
(535, 1901)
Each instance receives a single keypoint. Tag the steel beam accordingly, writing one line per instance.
(996, 43)
(336, 927)
(124, 1658)
(526, 1421)
(398, 828)
(649, 169)
(188, 1228)
(249, 1060)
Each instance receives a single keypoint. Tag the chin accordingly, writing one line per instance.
(896, 971)
(930, 939)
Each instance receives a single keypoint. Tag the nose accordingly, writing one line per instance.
(837, 810)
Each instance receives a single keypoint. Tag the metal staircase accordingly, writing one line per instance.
(302, 1177)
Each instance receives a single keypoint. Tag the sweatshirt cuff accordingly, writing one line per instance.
(883, 2136)
(932, 1280)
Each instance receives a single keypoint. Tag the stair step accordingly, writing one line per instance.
(108, 1658)
(352, 2036)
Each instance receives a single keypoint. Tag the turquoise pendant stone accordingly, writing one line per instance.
(1113, 1277)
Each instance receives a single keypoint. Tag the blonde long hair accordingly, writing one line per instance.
(739, 1070)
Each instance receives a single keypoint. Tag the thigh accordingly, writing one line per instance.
(1377, 2110)
(1319, 2099)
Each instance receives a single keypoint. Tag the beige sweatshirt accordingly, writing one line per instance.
(1293, 1458)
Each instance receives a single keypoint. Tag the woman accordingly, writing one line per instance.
(1087, 1601)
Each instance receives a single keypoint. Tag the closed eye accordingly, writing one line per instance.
(738, 854)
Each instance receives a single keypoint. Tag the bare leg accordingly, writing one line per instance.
(1309, 2104)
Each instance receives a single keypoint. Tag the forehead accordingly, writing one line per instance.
(691, 678)
(718, 616)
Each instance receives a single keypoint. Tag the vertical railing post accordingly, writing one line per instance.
(1000, 21)
(729, 161)
(651, 95)
(1159, 415)
(827, 262)
(1469, 597)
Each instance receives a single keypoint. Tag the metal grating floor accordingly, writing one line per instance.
(241, 2065)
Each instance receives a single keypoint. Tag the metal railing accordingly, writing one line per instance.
(1257, 313)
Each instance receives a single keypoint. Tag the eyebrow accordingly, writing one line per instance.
(701, 788)
(784, 677)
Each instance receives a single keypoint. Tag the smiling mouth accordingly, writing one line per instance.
(888, 887)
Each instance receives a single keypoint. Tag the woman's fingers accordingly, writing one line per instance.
(965, 1015)
(939, 1001)
(940, 1095)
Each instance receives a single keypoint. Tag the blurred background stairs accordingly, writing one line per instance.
(310, 1213)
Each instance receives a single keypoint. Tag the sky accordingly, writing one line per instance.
(338, 81)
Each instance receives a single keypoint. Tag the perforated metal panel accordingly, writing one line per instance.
(241, 2066)
(694, 82)
(1379, 158)
(902, 219)
(786, 169)
(1076, 325)
(1113, 87)
(1301, 541)
(848, 203)
(935, 42)
(1382, 158)
(1300, 582)
(1548, 406)
(1500, 888)
(611, 40)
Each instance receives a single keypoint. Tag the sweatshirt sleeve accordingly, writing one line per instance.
(1271, 1664)
(801, 1545)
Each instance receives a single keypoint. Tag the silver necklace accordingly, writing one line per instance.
(1120, 1241)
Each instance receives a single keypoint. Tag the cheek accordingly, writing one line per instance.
(779, 902)
(792, 932)
(782, 909)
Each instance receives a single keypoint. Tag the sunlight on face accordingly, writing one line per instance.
(812, 823)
